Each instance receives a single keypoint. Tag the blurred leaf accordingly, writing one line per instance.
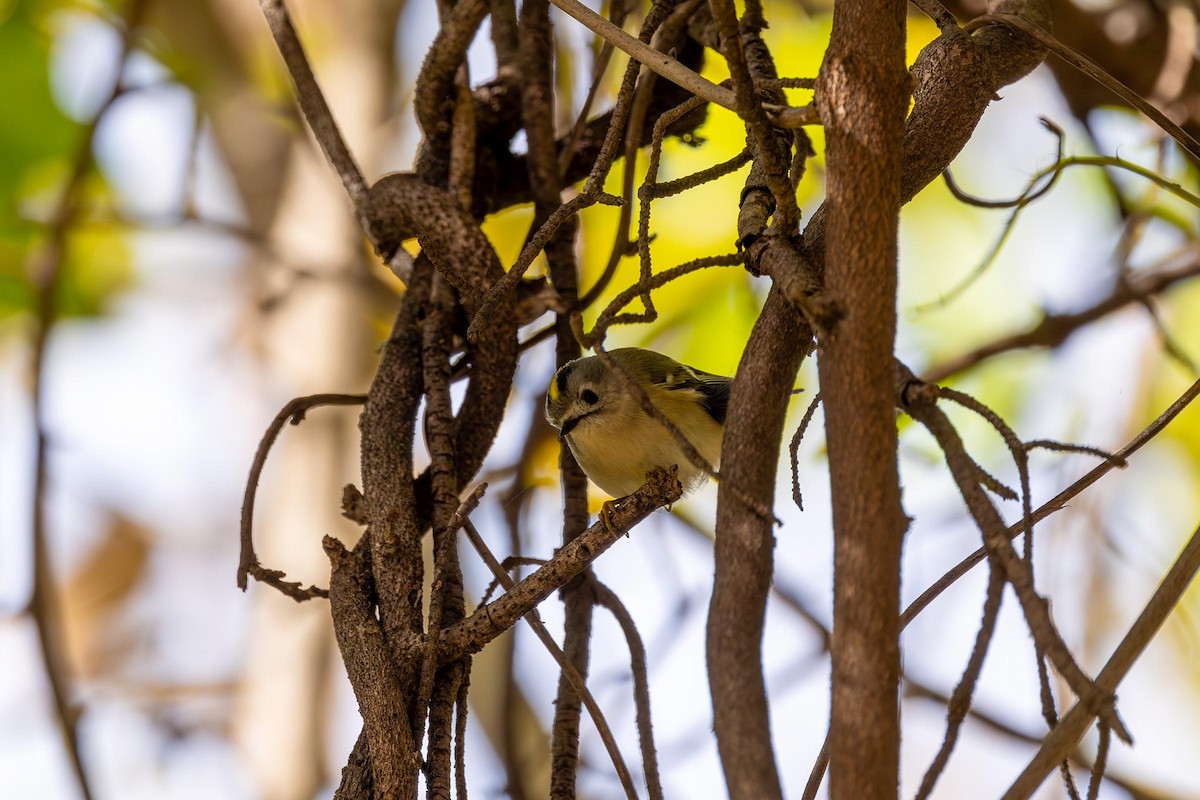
(1183, 324)
(33, 128)
(98, 590)
(37, 143)
(97, 266)
(33, 134)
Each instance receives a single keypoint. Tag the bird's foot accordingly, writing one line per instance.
(606, 515)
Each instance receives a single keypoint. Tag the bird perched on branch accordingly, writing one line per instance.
(615, 438)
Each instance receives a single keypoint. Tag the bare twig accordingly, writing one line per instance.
(641, 684)
(45, 264)
(248, 564)
(316, 110)
(568, 669)
(1031, 194)
(1092, 70)
(959, 704)
(794, 449)
(1100, 763)
(1056, 503)
(1054, 329)
(1074, 724)
(610, 316)
(661, 63)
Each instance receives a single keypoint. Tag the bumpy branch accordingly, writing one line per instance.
(488, 622)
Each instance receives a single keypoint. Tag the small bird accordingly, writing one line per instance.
(614, 439)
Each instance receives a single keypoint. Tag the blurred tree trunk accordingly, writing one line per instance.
(307, 312)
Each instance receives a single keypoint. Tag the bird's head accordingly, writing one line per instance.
(580, 392)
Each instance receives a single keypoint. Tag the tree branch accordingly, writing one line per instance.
(1054, 329)
(488, 622)
(569, 671)
(316, 110)
(1057, 503)
(1066, 735)
(294, 412)
(862, 94)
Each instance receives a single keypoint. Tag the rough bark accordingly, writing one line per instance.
(862, 95)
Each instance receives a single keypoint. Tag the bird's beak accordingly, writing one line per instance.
(569, 425)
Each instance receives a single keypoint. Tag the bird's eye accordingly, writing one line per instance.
(589, 397)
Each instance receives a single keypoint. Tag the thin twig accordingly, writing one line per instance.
(1054, 329)
(1092, 70)
(316, 110)
(1074, 724)
(1031, 194)
(46, 263)
(568, 669)
(610, 316)
(660, 63)
(1057, 503)
(959, 705)
(248, 564)
(813, 785)
(1101, 762)
(794, 449)
(641, 684)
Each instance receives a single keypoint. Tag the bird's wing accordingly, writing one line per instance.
(715, 392)
(713, 389)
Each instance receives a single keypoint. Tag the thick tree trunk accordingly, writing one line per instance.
(862, 94)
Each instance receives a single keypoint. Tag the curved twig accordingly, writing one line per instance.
(794, 449)
(1026, 197)
(1074, 724)
(641, 684)
(316, 110)
(1057, 503)
(610, 316)
(1030, 195)
(248, 564)
(1092, 70)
